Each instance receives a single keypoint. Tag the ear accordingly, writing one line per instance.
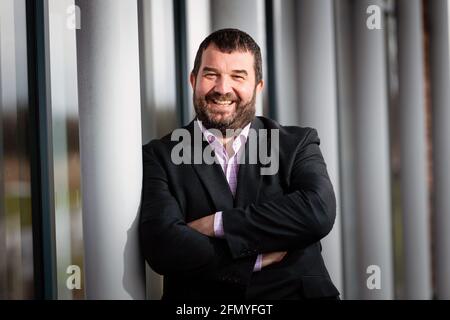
(260, 86)
(192, 81)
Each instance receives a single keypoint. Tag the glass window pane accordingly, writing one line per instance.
(65, 146)
(16, 246)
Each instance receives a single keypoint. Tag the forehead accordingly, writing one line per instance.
(236, 60)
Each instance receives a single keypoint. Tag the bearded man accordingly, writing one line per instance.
(228, 230)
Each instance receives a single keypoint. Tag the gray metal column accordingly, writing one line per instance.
(110, 132)
(317, 105)
(440, 91)
(373, 202)
(344, 65)
(158, 87)
(286, 61)
(248, 16)
(414, 184)
(198, 20)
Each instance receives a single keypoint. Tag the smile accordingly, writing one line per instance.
(222, 103)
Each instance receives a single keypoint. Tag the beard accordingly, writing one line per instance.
(243, 114)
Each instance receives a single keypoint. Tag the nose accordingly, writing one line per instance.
(223, 85)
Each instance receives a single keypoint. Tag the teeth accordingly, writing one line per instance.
(223, 103)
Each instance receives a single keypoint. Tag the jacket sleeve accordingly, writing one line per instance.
(170, 246)
(299, 218)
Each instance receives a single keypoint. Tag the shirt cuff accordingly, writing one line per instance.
(258, 263)
(218, 225)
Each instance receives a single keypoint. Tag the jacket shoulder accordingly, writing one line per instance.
(292, 134)
(161, 144)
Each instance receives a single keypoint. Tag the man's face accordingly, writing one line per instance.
(225, 89)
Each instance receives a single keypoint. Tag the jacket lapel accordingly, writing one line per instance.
(214, 180)
(249, 175)
(211, 175)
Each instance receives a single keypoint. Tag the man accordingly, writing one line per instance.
(229, 230)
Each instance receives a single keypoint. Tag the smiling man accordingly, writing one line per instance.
(225, 230)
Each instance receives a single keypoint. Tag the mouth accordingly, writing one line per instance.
(223, 105)
(221, 102)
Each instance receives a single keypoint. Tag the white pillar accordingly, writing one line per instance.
(373, 199)
(317, 106)
(110, 132)
(413, 148)
(248, 16)
(440, 92)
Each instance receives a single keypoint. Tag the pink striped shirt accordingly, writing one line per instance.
(230, 167)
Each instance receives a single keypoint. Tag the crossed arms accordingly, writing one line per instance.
(295, 220)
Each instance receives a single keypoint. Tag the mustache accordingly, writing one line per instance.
(221, 97)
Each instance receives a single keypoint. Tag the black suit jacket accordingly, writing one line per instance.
(289, 211)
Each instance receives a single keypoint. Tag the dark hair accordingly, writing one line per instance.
(228, 41)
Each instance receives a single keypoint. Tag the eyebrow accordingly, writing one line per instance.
(209, 69)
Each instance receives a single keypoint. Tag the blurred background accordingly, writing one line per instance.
(84, 84)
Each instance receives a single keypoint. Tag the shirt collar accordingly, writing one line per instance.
(210, 137)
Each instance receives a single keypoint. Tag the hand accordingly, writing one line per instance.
(272, 257)
(204, 225)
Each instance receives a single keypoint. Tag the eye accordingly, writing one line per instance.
(237, 77)
(210, 75)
